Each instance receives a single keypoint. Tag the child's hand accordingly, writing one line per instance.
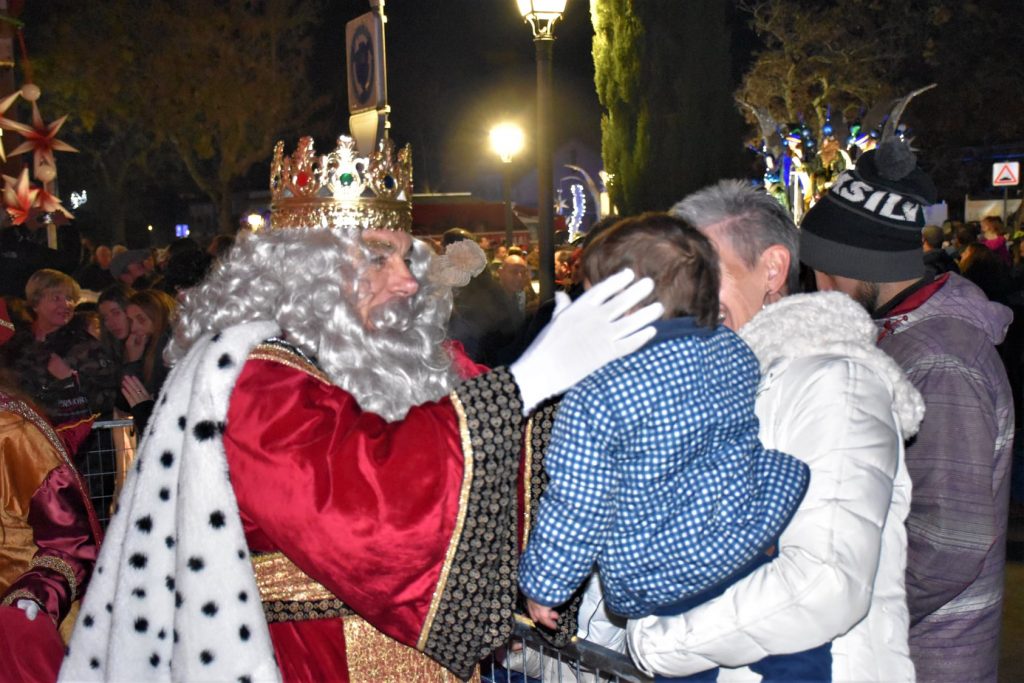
(545, 616)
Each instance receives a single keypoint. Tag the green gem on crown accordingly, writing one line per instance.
(347, 179)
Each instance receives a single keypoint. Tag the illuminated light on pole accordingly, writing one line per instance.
(542, 16)
(507, 141)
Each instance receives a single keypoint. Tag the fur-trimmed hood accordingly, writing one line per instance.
(830, 323)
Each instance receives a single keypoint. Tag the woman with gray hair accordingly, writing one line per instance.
(828, 396)
(831, 398)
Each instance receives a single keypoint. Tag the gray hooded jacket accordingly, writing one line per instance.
(959, 464)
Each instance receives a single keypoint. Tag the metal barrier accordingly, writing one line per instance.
(531, 659)
(103, 460)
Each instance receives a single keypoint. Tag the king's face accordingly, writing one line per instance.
(387, 277)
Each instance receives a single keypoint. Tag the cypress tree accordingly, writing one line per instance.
(664, 79)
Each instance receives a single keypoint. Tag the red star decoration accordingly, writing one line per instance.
(19, 197)
(40, 138)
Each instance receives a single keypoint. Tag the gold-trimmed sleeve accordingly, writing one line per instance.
(55, 564)
(453, 544)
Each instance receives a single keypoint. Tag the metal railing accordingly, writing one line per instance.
(529, 658)
(103, 461)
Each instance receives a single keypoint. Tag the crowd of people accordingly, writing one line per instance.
(728, 447)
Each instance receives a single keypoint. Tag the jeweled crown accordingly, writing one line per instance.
(341, 189)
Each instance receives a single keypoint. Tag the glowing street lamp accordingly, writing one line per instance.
(507, 141)
(542, 15)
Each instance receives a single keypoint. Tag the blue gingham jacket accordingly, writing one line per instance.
(657, 475)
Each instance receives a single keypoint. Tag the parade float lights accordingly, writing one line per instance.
(800, 166)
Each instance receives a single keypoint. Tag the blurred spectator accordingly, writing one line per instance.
(964, 236)
(128, 266)
(151, 314)
(514, 276)
(483, 319)
(220, 246)
(993, 236)
(115, 326)
(498, 257)
(68, 372)
(563, 268)
(185, 268)
(983, 267)
(88, 316)
(936, 260)
(96, 275)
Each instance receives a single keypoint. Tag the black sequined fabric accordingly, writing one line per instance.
(474, 615)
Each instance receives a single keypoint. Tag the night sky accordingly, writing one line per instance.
(455, 68)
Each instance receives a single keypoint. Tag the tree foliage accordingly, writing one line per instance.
(216, 82)
(662, 72)
(855, 54)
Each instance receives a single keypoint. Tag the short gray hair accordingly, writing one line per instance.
(749, 218)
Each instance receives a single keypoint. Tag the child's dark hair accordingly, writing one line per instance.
(681, 261)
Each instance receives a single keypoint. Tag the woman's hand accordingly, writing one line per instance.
(134, 345)
(58, 367)
(133, 390)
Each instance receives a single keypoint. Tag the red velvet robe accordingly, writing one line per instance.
(367, 508)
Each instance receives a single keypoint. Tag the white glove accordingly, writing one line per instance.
(30, 607)
(585, 335)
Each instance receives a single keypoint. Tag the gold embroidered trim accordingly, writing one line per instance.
(467, 482)
(276, 354)
(4, 323)
(19, 408)
(55, 564)
(373, 657)
(305, 610)
(277, 578)
(20, 594)
(527, 474)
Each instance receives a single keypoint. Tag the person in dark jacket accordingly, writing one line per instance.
(57, 362)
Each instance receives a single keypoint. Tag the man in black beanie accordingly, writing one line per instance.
(864, 238)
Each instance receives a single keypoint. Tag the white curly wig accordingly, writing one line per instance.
(306, 281)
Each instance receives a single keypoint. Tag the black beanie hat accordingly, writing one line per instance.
(868, 226)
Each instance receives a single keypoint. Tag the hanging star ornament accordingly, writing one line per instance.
(5, 104)
(19, 197)
(50, 203)
(41, 140)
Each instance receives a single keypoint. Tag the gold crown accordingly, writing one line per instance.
(341, 189)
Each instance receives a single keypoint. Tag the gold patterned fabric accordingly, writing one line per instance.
(374, 658)
(278, 578)
(26, 457)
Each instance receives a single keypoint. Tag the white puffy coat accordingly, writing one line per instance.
(831, 398)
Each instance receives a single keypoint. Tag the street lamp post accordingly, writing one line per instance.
(507, 140)
(542, 15)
